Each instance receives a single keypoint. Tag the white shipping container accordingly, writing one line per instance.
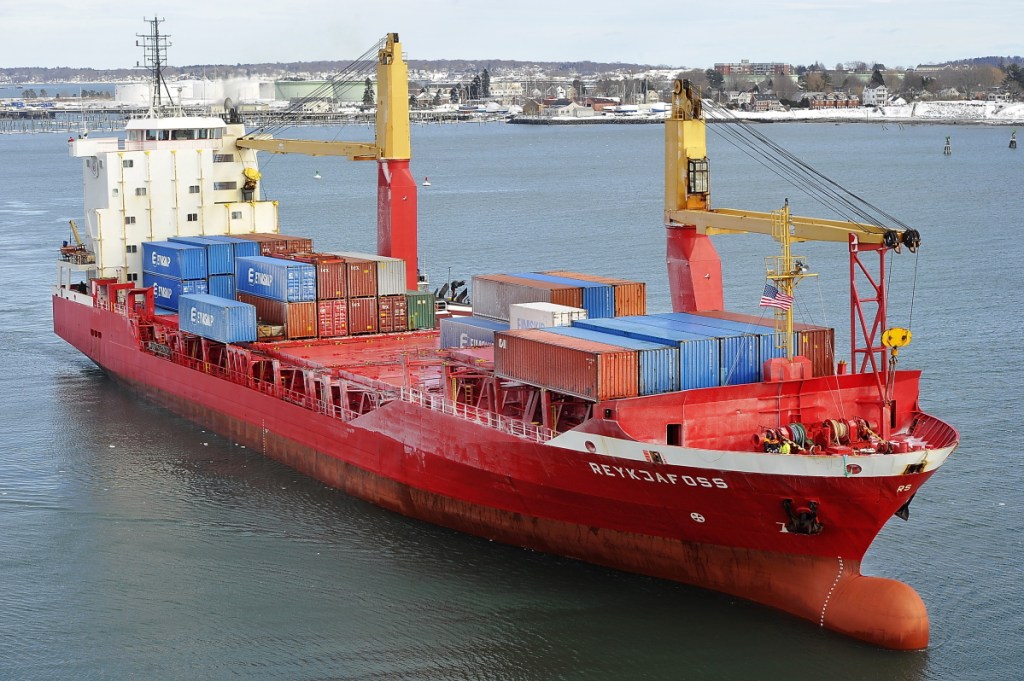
(390, 271)
(541, 315)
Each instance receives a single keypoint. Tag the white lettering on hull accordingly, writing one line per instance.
(630, 473)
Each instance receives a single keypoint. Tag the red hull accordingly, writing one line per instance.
(447, 470)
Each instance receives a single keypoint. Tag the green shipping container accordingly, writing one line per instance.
(420, 307)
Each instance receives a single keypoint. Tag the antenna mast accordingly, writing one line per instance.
(154, 47)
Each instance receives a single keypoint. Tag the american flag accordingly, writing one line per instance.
(772, 297)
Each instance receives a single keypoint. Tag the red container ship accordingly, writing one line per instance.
(771, 490)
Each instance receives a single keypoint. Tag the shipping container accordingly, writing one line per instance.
(297, 320)
(658, 370)
(222, 285)
(166, 290)
(468, 332)
(219, 319)
(420, 310)
(573, 366)
(240, 248)
(390, 271)
(276, 278)
(816, 343)
(492, 294)
(541, 315)
(361, 277)
(739, 352)
(180, 261)
(630, 296)
(699, 355)
(332, 317)
(219, 257)
(766, 340)
(598, 299)
(331, 274)
(363, 315)
(279, 244)
(393, 313)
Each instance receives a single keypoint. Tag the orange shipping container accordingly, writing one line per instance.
(393, 313)
(331, 274)
(362, 277)
(274, 245)
(298, 319)
(362, 315)
(586, 369)
(630, 296)
(332, 318)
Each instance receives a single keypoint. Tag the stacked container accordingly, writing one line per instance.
(393, 311)
(226, 321)
(240, 248)
(279, 244)
(657, 363)
(494, 293)
(283, 292)
(739, 352)
(572, 366)
(630, 296)
(597, 299)
(699, 355)
(331, 292)
(817, 343)
(175, 268)
(219, 256)
(382, 277)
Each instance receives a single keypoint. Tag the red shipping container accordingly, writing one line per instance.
(331, 274)
(586, 369)
(493, 293)
(362, 277)
(332, 318)
(274, 245)
(362, 315)
(630, 296)
(393, 311)
(298, 319)
(816, 343)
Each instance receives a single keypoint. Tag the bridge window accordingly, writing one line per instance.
(131, 248)
(127, 163)
(140, 191)
(129, 219)
(193, 189)
(193, 217)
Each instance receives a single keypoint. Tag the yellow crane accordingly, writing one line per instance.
(391, 148)
(695, 271)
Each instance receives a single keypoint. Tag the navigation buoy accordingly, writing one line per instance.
(948, 149)
(316, 174)
(1013, 139)
(426, 181)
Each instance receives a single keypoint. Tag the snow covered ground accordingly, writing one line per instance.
(993, 113)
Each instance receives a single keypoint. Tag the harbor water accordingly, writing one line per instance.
(136, 545)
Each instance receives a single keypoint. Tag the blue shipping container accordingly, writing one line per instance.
(222, 285)
(699, 355)
(240, 248)
(219, 319)
(468, 332)
(219, 258)
(659, 363)
(598, 299)
(768, 348)
(288, 281)
(739, 351)
(170, 259)
(166, 290)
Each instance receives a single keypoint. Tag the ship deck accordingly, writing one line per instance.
(408, 359)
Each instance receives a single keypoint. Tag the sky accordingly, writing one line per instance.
(685, 33)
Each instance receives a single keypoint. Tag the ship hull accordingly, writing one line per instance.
(445, 470)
